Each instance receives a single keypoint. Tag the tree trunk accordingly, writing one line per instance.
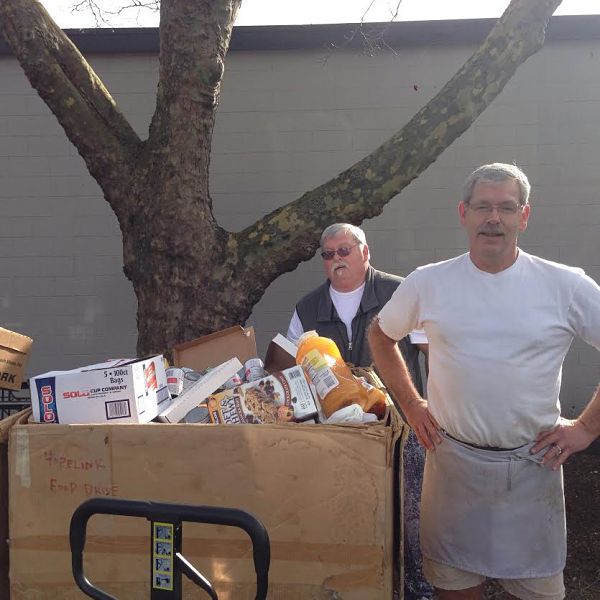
(173, 246)
(191, 276)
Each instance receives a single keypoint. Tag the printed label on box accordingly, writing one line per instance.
(117, 409)
(279, 398)
(46, 388)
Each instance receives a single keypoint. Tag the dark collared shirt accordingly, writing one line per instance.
(316, 311)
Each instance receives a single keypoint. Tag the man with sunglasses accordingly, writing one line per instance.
(342, 309)
(499, 322)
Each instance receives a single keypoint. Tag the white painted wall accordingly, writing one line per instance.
(287, 122)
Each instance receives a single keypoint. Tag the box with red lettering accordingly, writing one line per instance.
(117, 391)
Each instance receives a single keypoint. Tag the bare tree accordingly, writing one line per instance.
(190, 275)
(103, 15)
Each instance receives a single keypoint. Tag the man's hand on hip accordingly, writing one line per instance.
(422, 423)
(567, 438)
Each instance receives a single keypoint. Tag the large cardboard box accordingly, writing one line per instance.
(5, 426)
(328, 495)
(118, 391)
(14, 350)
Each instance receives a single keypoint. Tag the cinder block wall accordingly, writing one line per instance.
(287, 122)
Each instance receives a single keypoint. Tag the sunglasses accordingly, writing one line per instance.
(342, 252)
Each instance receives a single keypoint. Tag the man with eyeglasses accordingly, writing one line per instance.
(499, 323)
(342, 309)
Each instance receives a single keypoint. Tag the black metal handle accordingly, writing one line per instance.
(212, 515)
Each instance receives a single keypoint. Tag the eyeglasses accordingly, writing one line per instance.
(342, 251)
(506, 208)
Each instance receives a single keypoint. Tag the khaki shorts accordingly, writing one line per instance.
(537, 588)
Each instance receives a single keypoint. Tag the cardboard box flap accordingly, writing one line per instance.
(281, 354)
(19, 418)
(15, 341)
(113, 363)
(216, 348)
(109, 364)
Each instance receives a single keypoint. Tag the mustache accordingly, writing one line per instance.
(342, 263)
(490, 229)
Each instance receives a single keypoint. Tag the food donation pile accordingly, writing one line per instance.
(320, 388)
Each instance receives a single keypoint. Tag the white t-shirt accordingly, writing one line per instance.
(346, 304)
(496, 342)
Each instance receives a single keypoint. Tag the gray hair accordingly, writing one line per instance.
(356, 232)
(498, 173)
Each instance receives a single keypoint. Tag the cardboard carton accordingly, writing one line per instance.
(216, 348)
(14, 350)
(328, 495)
(124, 391)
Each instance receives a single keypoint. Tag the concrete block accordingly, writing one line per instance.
(12, 145)
(97, 265)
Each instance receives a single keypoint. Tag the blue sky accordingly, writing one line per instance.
(271, 12)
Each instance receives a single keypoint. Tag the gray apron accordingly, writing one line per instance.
(493, 512)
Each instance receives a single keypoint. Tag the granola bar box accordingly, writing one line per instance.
(280, 397)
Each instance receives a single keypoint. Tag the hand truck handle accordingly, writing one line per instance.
(212, 515)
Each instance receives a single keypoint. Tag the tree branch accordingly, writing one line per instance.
(194, 38)
(291, 233)
(100, 13)
(73, 92)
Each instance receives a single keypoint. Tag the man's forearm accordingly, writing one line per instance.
(590, 417)
(393, 371)
(570, 436)
(391, 367)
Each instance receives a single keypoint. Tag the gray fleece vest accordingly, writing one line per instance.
(316, 311)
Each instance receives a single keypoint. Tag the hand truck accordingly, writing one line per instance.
(167, 562)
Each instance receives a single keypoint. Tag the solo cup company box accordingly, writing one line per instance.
(117, 391)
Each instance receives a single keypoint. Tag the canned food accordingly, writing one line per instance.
(254, 369)
(199, 414)
(175, 380)
(190, 377)
(233, 382)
